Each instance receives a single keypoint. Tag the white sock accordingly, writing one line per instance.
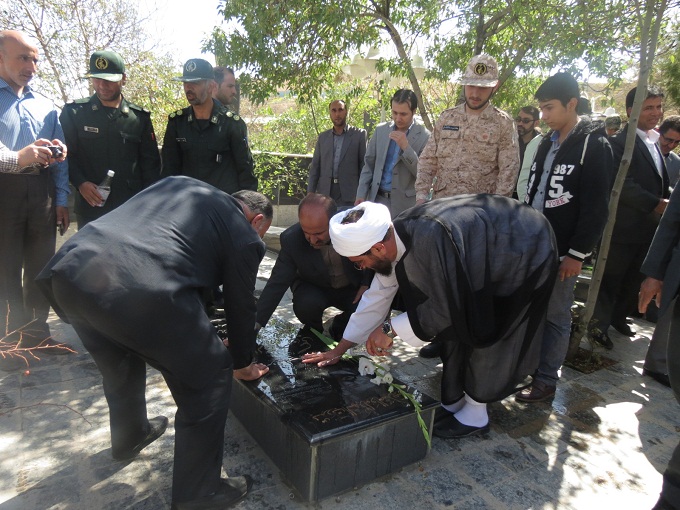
(455, 407)
(473, 413)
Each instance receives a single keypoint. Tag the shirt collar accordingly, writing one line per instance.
(27, 92)
(401, 248)
(651, 136)
(394, 125)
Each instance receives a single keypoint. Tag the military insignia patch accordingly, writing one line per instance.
(236, 117)
(101, 63)
(89, 129)
(229, 114)
(190, 67)
(480, 69)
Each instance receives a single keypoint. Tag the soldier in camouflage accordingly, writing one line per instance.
(205, 140)
(474, 146)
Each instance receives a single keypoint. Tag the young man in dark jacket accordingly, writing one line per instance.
(569, 183)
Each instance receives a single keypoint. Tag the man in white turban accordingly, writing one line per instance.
(475, 273)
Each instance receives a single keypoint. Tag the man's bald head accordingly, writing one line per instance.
(18, 59)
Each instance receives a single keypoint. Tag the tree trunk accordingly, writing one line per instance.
(650, 23)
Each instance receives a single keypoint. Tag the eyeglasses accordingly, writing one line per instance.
(670, 141)
(521, 120)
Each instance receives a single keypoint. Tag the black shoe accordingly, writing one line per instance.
(158, 426)
(233, 490)
(430, 350)
(441, 414)
(12, 363)
(603, 339)
(657, 376)
(537, 392)
(623, 328)
(45, 345)
(451, 428)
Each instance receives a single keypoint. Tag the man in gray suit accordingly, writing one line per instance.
(338, 158)
(663, 282)
(391, 163)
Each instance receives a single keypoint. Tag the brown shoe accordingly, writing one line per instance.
(537, 392)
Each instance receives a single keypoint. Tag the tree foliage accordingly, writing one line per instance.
(300, 45)
(69, 31)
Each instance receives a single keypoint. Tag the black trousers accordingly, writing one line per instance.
(27, 240)
(620, 284)
(310, 301)
(201, 411)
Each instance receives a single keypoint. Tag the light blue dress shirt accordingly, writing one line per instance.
(25, 119)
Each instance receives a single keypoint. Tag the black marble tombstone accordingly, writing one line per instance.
(327, 429)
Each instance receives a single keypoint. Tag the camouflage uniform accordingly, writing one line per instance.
(469, 154)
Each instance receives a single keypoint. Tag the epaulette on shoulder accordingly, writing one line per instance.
(138, 108)
(230, 114)
(177, 113)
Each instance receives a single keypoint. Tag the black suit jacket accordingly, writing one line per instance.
(297, 260)
(139, 272)
(636, 220)
(663, 259)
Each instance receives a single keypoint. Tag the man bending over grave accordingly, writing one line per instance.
(475, 273)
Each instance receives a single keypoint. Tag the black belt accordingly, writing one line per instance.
(383, 193)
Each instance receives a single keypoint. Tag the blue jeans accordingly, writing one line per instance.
(557, 331)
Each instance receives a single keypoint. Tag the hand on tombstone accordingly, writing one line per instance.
(324, 359)
(251, 372)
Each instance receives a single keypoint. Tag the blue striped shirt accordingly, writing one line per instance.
(25, 119)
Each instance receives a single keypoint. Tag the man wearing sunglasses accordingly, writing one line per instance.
(527, 128)
(669, 138)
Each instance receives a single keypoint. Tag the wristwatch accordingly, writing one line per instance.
(387, 329)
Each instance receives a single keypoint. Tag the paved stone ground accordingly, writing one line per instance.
(603, 441)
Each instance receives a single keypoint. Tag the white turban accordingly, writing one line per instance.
(354, 239)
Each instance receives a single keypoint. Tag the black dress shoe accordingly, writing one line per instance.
(441, 414)
(45, 346)
(12, 363)
(430, 350)
(233, 490)
(623, 328)
(603, 339)
(451, 428)
(158, 426)
(537, 392)
(657, 376)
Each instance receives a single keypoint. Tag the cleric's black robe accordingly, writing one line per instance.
(477, 275)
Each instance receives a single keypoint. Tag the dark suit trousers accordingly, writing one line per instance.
(27, 240)
(671, 477)
(310, 301)
(655, 360)
(201, 412)
(620, 283)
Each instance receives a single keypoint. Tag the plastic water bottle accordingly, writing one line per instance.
(104, 188)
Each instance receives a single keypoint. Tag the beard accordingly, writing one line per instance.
(383, 267)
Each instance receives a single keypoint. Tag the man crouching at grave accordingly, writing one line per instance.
(475, 273)
(317, 276)
(130, 283)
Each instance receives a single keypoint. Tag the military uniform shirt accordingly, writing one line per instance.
(102, 138)
(216, 153)
(469, 154)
